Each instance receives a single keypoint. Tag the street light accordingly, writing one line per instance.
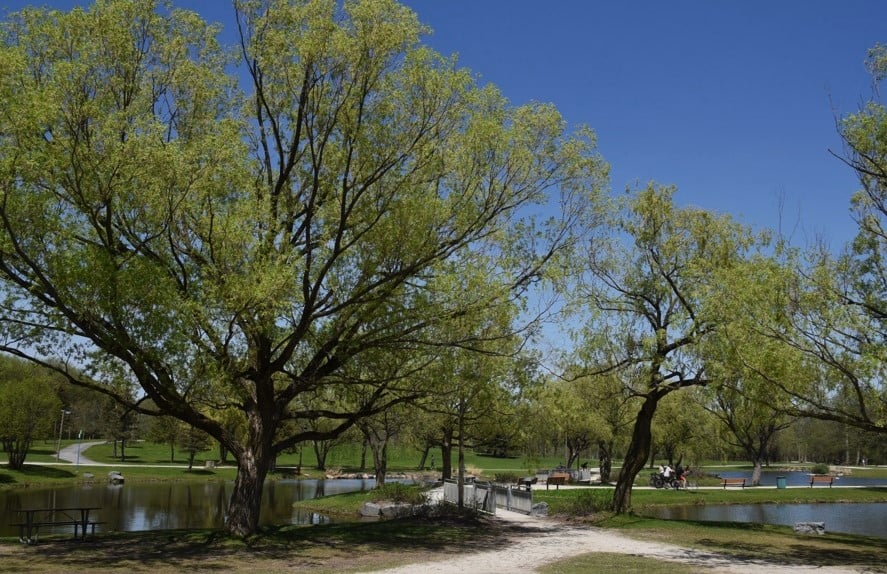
(79, 444)
(58, 450)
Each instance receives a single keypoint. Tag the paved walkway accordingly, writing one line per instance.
(74, 453)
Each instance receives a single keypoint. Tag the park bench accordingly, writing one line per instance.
(821, 479)
(527, 482)
(733, 482)
(557, 479)
(37, 518)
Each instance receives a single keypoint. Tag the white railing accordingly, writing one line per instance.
(487, 497)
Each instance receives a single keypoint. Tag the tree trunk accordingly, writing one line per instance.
(16, 452)
(424, 457)
(242, 518)
(377, 441)
(363, 455)
(320, 452)
(461, 478)
(756, 472)
(446, 456)
(380, 462)
(638, 451)
(605, 457)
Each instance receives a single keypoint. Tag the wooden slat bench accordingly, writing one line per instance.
(557, 479)
(733, 482)
(527, 482)
(821, 479)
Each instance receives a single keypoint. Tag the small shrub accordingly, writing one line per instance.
(506, 477)
(399, 492)
(820, 468)
(590, 501)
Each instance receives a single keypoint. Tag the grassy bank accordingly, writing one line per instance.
(746, 543)
(351, 546)
(37, 475)
(361, 546)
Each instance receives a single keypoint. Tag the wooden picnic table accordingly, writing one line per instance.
(35, 518)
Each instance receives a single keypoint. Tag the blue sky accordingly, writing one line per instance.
(732, 102)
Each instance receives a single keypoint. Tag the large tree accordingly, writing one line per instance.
(647, 296)
(228, 234)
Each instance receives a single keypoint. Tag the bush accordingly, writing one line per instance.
(820, 468)
(590, 501)
(506, 477)
(399, 492)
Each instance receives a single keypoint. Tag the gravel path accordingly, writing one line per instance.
(550, 541)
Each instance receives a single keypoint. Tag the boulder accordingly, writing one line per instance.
(386, 509)
(372, 509)
(810, 527)
(539, 509)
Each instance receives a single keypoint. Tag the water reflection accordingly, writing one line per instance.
(170, 505)
(868, 519)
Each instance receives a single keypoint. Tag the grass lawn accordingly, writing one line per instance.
(744, 543)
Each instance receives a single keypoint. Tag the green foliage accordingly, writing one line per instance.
(648, 302)
(506, 477)
(234, 236)
(399, 492)
(589, 502)
(28, 407)
(820, 468)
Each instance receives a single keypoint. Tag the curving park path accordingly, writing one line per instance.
(74, 453)
(545, 541)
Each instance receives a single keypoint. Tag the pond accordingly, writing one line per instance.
(768, 478)
(171, 505)
(867, 519)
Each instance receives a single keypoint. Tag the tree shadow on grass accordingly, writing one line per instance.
(39, 471)
(200, 472)
(790, 549)
(330, 545)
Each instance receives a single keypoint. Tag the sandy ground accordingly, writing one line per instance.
(553, 540)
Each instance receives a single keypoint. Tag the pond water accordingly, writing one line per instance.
(868, 519)
(768, 478)
(171, 505)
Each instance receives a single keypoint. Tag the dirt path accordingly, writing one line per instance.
(553, 541)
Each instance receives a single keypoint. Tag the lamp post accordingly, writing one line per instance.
(79, 444)
(58, 450)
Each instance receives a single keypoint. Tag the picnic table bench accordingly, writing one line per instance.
(557, 479)
(821, 479)
(36, 518)
(733, 482)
